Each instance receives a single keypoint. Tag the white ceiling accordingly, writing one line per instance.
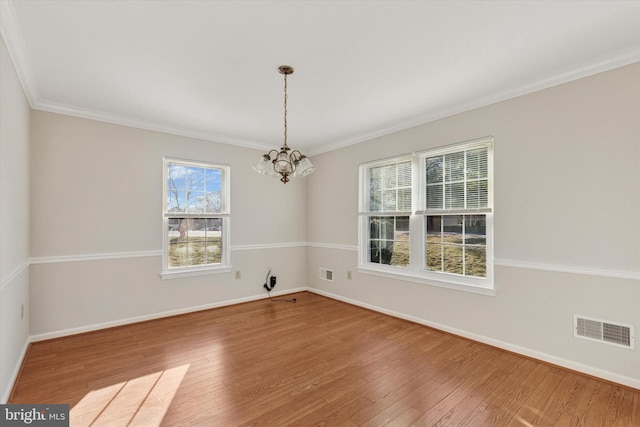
(208, 69)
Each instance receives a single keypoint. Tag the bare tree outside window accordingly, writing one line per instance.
(194, 201)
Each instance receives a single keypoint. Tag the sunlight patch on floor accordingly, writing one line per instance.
(524, 422)
(141, 401)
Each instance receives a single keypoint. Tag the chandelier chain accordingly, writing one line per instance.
(285, 112)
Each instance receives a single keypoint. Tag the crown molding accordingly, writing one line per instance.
(101, 116)
(609, 62)
(10, 31)
(12, 37)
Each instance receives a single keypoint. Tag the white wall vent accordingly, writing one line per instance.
(326, 274)
(604, 331)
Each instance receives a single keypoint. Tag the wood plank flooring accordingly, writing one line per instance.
(315, 362)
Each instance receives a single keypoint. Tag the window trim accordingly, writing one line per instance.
(199, 270)
(416, 271)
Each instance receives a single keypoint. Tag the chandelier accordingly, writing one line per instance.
(284, 163)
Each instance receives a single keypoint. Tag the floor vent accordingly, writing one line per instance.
(613, 333)
(326, 274)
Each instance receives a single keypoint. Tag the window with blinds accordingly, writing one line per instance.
(457, 181)
(389, 204)
(455, 211)
(390, 188)
(431, 214)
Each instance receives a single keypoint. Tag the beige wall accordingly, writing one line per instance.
(97, 188)
(567, 203)
(14, 222)
(96, 228)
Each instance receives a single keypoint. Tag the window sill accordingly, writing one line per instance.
(196, 272)
(410, 276)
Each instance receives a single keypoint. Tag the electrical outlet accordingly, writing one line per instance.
(238, 275)
(349, 275)
(273, 281)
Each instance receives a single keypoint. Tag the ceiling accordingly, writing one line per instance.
(208, 69)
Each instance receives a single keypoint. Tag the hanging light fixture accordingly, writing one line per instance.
(284, 163)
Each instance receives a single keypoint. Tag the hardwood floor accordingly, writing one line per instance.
(315, 362)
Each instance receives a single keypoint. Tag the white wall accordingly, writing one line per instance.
(14, 222)
(96, 228)
(567, 231)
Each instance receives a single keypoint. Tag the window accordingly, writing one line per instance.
(428, 216)
(390, 199)
(195, 218)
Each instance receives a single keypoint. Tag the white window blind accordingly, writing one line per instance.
(457, 182)
(390, 188)
(430, 213)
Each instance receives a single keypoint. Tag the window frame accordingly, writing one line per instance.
(416, 271)
(225, 216)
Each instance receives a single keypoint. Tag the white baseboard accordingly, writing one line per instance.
(565, 363)
(14, 374)
(121, 322)
(95, 327)
(575, 366)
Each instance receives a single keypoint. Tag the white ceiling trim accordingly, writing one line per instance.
(145, 125)
(620, 59)
(15, 45)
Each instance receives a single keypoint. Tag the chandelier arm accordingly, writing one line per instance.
(295, 156)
